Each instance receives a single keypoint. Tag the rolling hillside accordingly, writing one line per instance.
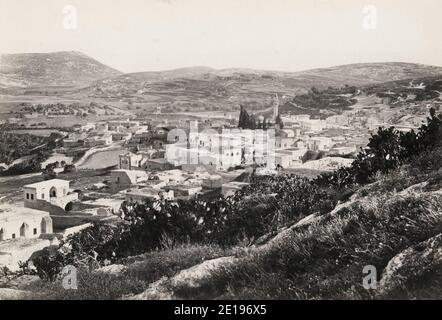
(51, 69)
(74, 75)
(362, 74)
(196, 88)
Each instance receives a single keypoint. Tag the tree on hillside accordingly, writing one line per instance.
(279, 121)
(245, 120)
(430, 134)
(386, 151)
(252, 123)
(264, 124)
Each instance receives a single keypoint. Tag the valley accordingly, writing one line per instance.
(279, 175)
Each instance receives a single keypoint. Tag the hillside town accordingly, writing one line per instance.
(245, 152)
(179, 160)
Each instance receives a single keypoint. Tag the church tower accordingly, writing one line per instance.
(275, 107)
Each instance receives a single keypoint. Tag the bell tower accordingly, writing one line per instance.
(275, 107)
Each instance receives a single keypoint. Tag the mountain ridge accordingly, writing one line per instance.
(63, 68)
(75, 67)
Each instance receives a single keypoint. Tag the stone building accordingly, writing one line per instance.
(124, 179)
(20, 222)
(141, 195)
(55, 192)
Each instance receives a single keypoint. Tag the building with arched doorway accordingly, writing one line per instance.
(23, 231)
(23, 223)
(55, 192)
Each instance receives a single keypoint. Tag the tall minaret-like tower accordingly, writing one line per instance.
(275, 107)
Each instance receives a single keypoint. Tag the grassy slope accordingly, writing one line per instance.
(139, 273)
(320, 257)
(324, 257)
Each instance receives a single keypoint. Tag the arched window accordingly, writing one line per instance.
(2, 234)
(53, 192)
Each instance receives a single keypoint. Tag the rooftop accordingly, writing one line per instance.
(9, 213)
(47, 183)
(14, 245)
(183, 187)
(134, 175)
(158, 160)
(145, 191)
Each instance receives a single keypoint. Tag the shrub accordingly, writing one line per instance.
(49, 264)
(151, 266)
(91, 286)
(387, 150)
(325, 260)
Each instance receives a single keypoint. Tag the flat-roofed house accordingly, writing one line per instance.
(212, 182)
(123, 179)
(130, 161)
(141, 195)
(55, 192)
(185, 192)
(320, 143)
(21, 222)
(100, 140)
(284, 139)
(283, 159)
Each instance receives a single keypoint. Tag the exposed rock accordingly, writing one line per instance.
(195, 276)
(411, 265)
(113, 269)
(407, 266)
(282, 233)
(158, 290)
(191, 278)
(14, 294)
(19, 283)
(416, 188)
(285, 234)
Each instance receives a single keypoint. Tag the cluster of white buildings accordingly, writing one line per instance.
(28, 228)
(104, 133)
(139, 185)
(221, 150)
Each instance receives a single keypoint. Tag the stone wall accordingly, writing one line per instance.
(12, 252)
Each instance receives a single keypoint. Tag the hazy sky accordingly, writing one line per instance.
(289, 35)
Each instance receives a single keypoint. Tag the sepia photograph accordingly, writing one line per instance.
(238, 151)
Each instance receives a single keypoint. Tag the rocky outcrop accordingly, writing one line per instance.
(411, 266)
(18, 282)
(196, 276)
(192, 278)
(14, 294)
(113, 269)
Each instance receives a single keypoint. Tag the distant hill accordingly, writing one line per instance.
(352, 74)
(168, 74)
(191, 89)
(26, 70)
(362, 74)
